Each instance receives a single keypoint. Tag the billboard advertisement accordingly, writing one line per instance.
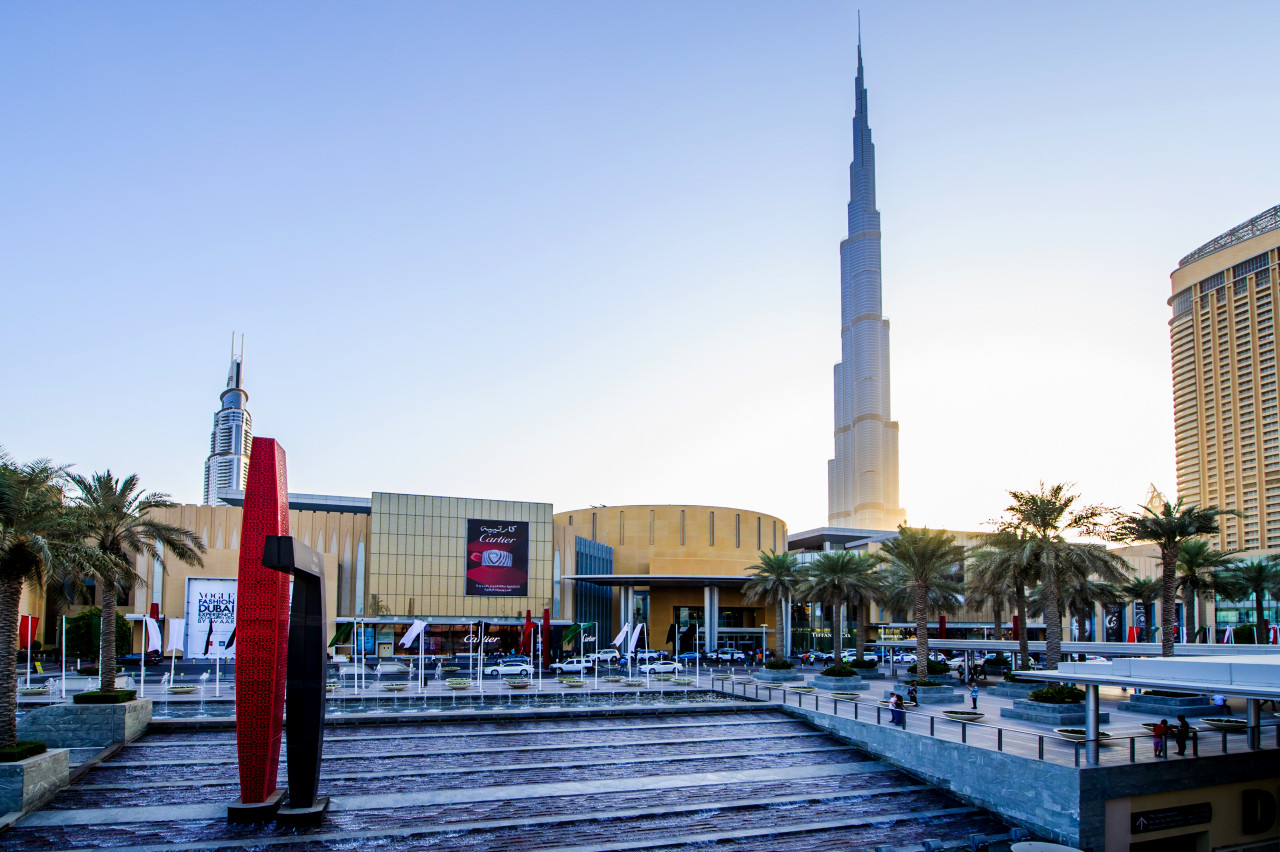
(497, 558)
(209, 602)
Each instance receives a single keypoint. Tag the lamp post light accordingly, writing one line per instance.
(764, 643)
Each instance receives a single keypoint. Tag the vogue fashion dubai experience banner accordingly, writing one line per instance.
(209, 602)
(497, 558)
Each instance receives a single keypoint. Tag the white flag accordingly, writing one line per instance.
(412, 633)
(622, 636)
(635, 637)
(153, 633)
(177, 630)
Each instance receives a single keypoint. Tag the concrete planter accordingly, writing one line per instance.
(871, 674)
(778, 675)
(28, 784)
(1059, 715)
(1015, 689)
(86, 725)
(840, 684)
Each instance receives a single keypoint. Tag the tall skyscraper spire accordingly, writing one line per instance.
(862, 479)
(228, 463)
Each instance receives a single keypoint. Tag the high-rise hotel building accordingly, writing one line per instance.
(1226, 409)
(862, 479)
(227, 466)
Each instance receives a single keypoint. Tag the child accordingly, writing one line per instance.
(1159, 730)
(973, 694)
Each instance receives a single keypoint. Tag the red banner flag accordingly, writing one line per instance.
(28, 629)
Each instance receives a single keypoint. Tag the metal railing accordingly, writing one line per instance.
(1048, 747)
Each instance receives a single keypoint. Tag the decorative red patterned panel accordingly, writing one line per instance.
(262, 625)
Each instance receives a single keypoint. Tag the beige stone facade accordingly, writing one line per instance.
(687, 549)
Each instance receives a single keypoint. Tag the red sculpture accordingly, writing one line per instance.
(262, 626)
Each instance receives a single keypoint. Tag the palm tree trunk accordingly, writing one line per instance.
(1189, 612)
(1052, 628)
(860, 636)
(107, 648)
(997, 612)
(1168, 585)
(922, 634)
(779, 628)
(1261, 635)
(837, 632)
(10, 594)
(1024, 647)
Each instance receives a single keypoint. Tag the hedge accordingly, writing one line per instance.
(23, 750)
(98, 696)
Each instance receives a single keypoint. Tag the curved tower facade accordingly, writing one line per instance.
(229, 445)
(862, 479)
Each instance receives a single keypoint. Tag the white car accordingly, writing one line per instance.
(577, 664)
(729, 655)
(509, 670)
(904, 658)
(609, 657)
(648, 656)
(662, 667)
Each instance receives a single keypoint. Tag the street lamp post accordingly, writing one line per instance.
(764, 643)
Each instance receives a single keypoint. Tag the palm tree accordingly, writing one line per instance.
(868, 583)
(115, 515)
(1145, 591)
(1169, 528)
(1253, 578)
(1198, 564)
(39, 543)
(833, 579)
(924, 567)
(998, 571)
(773, 582)
(1045, 516)
(1079, 600)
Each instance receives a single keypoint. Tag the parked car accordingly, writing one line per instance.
(509, 670)
(661, 667)
(904, 658)
(688, 656)
(729, 655)
(649, 656)
(514, 658)
(609, 656)
(576, 664)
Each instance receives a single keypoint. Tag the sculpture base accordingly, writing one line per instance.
(240, 813)
(303, 817)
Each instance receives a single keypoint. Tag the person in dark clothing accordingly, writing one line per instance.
(911, 695)
(1181, 732)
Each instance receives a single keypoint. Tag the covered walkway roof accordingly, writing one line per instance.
(723, 580)
(1249, 676)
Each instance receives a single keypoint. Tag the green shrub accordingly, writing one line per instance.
(23, 750)
(84, 630)
(1244, 634)
(869, 663)
(779, 665)
(1164, 693)
(88, 671)
(98, 696)
(936, 668)
(1059, 694)
(840, 670)
(919, 683)
(999, 662)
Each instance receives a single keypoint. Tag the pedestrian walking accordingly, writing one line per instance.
(1181, 732)
(911, 695)
(897, 713)
(1159, 730)
(973, 694)
(1221, 701)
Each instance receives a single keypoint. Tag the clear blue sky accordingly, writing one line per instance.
(587, 253)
